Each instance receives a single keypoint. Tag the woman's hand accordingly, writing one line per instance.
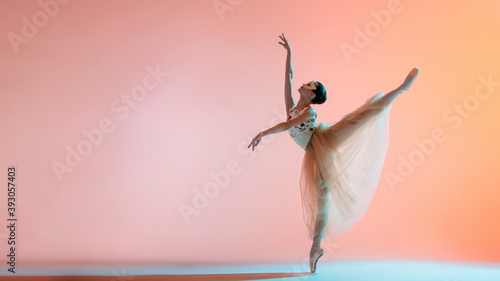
(285, 42)
(256, 140)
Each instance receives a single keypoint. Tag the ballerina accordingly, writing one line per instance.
(342, 161)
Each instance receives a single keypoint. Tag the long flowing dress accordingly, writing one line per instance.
(342, 164)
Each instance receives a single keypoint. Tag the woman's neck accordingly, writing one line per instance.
(303, 103)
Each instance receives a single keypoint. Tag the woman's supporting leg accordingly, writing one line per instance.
(321, 218)
(319, 226)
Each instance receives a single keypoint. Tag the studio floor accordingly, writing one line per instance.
(327, 270)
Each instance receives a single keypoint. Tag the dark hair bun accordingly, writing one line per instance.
(320, 92)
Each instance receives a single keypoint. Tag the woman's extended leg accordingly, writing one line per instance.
(389, 97)
(342, 130)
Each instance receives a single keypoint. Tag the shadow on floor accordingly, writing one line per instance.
(177, 277)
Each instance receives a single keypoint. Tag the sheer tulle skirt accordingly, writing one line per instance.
(342, 166)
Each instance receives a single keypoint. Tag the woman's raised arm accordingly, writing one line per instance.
(289, 102)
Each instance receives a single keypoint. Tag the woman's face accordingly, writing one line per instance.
(309, 86)
(307, 89)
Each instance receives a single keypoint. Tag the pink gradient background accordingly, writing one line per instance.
(225, 84)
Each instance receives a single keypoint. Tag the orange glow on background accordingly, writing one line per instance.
(213, 76)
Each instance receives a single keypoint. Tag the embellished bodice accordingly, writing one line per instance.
(301, 133)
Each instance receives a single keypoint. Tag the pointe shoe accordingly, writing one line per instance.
(409, 79)
(313, 260)
(414, 72)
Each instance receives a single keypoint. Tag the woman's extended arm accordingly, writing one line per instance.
(281, 127)
(289, 102)
(309, 114)
(289, 68)
(278, 128)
